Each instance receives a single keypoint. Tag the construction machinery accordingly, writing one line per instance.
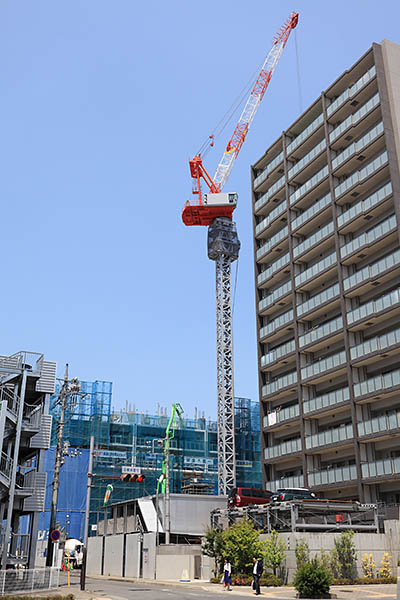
(214, 209)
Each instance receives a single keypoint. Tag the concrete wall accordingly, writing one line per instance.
(94, 554)
(149, 555)
(173, 560)
(132, 559)
(371, 543)
(113, 553)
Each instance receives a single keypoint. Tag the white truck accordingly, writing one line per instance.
(73, 551)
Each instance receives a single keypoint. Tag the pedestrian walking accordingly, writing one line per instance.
(227, 574)
(258, 569)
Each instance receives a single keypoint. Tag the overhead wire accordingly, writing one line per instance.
(230, 112)
(298, 73)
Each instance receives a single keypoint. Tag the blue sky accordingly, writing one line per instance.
(102, 105)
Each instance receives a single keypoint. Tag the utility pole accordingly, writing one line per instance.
(66, 389)
(88, 491)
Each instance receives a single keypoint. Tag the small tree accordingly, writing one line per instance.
(312, 580)
(302, 553)
(334, 564)
(385, 570)
(241, 544)
(368, 565)
(213, 546)
(274, 551)
(346, 552)
(325, 560)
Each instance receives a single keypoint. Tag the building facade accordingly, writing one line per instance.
(128, 438)
(26, 382)
(326, 213)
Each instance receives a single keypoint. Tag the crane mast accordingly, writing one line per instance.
(215, 210)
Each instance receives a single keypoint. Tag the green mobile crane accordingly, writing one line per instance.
(164, 479)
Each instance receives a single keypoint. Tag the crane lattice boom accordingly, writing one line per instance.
(249, 112)
(204, 211)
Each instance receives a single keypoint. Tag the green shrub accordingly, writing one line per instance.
(270, 580)
(312, 580)
(364, 581)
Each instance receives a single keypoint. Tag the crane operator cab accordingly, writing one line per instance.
(221, 199)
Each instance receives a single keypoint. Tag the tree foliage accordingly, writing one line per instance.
(274, 551)
(213, 546)
(241, 544)
(385, 570)
(302, 552)
(346, 553)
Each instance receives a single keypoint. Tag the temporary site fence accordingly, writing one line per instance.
(28, 580)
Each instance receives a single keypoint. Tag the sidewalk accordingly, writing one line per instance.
(353, 592)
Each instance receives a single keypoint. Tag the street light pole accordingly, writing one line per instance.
(167, 495)
(89, 487)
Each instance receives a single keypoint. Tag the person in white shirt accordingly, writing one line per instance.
(227, 574)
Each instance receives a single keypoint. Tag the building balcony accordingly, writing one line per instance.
(280, 384)
(286, 448)
(354, 121)
(321, 369)
(312, 184)
(269, 169)
(309, 158)
(380, 425)
(332, 476)
(380, 270)
(278, 417)
(286, 482)
(314, 242)
(386, 468)
(370, 241)
(365, 209)
(388, 383)
(262, 202)
(270, 330)
(25, 484)
(305, 134)
(336, 435)
(320, 302)
(382, 344)
(351, 92)
(327, 402)
(368, 145)
(312, 274)
(374, 311)
(316, 337)
(277, 268)
(358, 181)
(308, 217)
(276, 297)
(277, 212)
(280, 238)
(278, 354)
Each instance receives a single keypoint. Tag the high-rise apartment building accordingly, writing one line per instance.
(326, 210)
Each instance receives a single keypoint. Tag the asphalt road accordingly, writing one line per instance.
(127, 590)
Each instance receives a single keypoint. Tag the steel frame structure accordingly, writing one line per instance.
(225, 417)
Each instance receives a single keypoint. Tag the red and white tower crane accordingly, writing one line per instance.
(215, 209)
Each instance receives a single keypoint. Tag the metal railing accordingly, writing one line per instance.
(28, 580)
(6, 463)
(10, 399)
(22, 360)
